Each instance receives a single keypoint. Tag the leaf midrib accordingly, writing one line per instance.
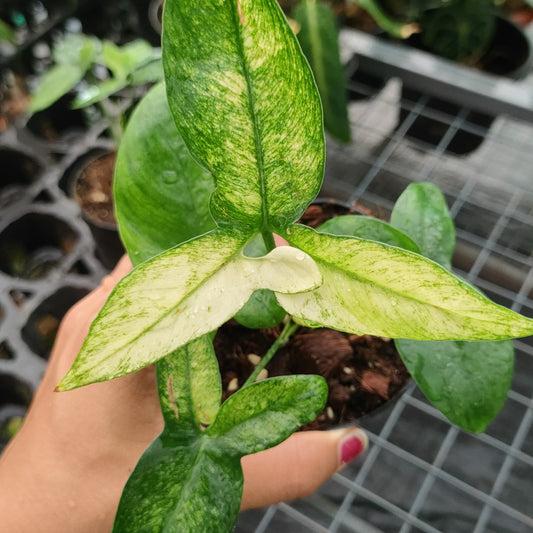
(256, 123)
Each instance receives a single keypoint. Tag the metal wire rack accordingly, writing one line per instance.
(422, 474)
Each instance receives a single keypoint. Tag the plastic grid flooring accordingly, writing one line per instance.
(422, 474)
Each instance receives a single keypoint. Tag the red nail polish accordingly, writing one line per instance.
(352, 445)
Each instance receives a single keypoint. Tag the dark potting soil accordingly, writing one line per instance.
(94, 190)
(362, 371)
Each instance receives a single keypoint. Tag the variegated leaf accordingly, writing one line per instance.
(179, 295)
(246, 104)
(369, 288)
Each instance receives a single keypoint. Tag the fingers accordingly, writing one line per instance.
(298, 466)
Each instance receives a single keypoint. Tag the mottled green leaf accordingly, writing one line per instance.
(190, 388)
(381, 290)
(179, 295)
(264, 414)
(422, 213)
(371, 229)
(161, 192)
(181, 489)
(318, 37)
(246, 104)
(467, 381)
(189, 481)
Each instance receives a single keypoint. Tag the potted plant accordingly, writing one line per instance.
(79, 62)
(241, 100)
(474, 33)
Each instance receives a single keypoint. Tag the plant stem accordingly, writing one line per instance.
(113, 121)
(268, 239)
(289, 328)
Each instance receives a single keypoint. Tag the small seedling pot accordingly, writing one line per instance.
(363, 372)
(90, 184)
(508, 55)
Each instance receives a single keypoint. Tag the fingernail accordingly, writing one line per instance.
(352, 445)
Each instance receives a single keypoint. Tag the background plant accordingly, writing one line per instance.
(77, 59)
(241, 100)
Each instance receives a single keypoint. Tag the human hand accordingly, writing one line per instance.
(67, 466)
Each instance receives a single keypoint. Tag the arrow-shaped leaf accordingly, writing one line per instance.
(369, 288)
(246, 105)
(173, 303)
(189, 484)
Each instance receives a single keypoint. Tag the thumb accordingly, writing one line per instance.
(298, 466)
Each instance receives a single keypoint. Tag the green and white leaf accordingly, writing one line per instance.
(161, 193)
(467, 381)
(246, 105)
(422, 213)
(319, 39)
(369, 288)
(368, 228)
(178, 296)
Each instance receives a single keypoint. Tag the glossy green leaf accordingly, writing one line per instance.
(318, 37)
(192, 390)
(246, 104)
(172, 303)
(161, 193)
(264, 414)
(370, 288)
(261, 311)
(422, 213)
(371, 229)
(467, 381)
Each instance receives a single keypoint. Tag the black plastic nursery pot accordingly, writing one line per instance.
(364, 373)
(89, 181)
(509, 55)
